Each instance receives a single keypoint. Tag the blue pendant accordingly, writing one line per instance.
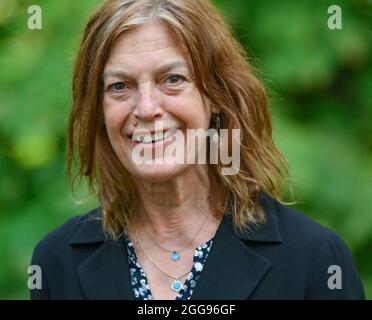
(176, 285)
(175, 256)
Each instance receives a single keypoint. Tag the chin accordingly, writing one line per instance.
(158, 172)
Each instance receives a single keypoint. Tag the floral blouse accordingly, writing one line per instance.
(140, 286)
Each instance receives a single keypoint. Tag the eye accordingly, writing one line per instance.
(175, 79)
(118, 86)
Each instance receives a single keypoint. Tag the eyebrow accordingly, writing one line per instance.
(163, 69)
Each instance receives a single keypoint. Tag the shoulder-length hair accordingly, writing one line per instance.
(222, 73)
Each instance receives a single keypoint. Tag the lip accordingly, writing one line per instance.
(146, 131)
(156, 144)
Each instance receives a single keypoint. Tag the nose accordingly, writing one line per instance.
(147, 103)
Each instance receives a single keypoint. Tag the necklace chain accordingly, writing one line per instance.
(153, 262)
(176, 286)
(179, 250)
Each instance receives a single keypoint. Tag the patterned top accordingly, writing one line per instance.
(140, 286)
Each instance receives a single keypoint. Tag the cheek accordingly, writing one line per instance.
(115, 115)
(191, 109)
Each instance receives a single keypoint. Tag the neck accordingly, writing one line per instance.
(172, 212)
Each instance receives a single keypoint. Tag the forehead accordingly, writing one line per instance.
(148, 44)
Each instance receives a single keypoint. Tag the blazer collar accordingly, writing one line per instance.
(232, 270)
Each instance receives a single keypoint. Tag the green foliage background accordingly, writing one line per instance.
(319, 81)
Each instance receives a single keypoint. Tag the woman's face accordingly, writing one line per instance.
(149, 78)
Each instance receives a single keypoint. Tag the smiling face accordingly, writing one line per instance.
(149, 78)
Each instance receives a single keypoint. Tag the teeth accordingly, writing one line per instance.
(150, 138)
(158, 136)
(147, 139)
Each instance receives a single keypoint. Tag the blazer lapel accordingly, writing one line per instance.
(232, 270)
(105, 274)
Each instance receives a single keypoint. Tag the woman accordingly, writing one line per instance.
(180, 229)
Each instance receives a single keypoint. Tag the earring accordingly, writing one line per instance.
(216, 118)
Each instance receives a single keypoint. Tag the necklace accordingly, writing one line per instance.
(176, 284)
(175, 254)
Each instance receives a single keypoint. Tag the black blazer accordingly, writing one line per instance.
(287, 258)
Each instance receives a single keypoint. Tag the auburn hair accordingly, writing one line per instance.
(222, 73)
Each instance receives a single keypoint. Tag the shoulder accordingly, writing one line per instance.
(303, 233)
(297, 226)
(57, 257)
(325, 253)
(287, 225)
(59, 240)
